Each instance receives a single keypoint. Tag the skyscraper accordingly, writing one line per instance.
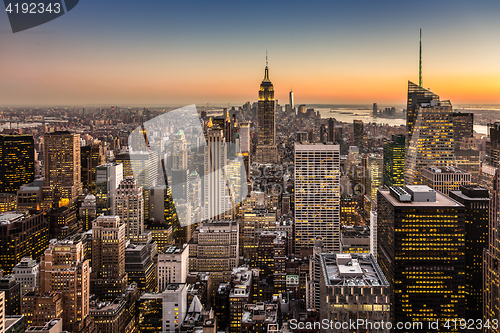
(421, 253)
(91, 156)
(331, 130)
(62, 164)
(375, 166)
(64, 269)
(358, 133)
(21, 235)
(463, 125)
(218, 203)
(292, 102)
(317, 195)
(394, 161)
(17, 162)
(108, 177)
(129, 206)
(491, 255)
(266, 145)
(476, 201)
(108, 277)
(375, 109)
(416, 96)
(432, 142)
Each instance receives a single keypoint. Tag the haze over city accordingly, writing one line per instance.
(163, 53)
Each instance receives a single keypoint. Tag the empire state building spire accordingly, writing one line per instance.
(266, 144)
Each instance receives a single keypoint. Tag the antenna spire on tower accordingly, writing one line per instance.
(266, 58)
(420, 62)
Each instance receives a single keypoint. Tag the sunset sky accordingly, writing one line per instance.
(160, 52)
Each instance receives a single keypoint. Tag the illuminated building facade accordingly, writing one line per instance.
(108, 277)
(432, 142)
(491, 255)
(140, 267)
(62, 164)
(317, 195)
(266, 145)
(129, 206)
(214, 248)
(163, 312)
(353, 288)
(21, 235)
(91, 156)
(375, 168)
(421, 251)
(476, 201)
(17, 162)
(88, 211)
(416, 96)
(394, 161)
(64, 269)
(445, 179)
(40, 308)
(8, 202)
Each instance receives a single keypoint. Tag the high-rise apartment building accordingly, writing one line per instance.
(108, 277)
(476, 201)
(266, 144)
(17, 162)
(394, 161)
(92, 156)
(432, 142)
(129, 206)
(22, 234)
(421, 251)
(445, 179)
(62, 164)
(140, 267)
(108, 177)
(64, 269)
(317, 195)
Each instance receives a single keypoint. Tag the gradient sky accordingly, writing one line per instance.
(159, 52)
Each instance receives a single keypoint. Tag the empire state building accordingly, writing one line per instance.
(266, 144)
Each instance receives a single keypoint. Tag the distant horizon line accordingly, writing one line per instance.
(225, 105)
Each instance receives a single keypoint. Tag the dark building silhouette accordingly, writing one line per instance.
(463, 126)
(421, 253)
(91, 156)
(12, 291)
(476, 201)
(21, 235)
(17, 161)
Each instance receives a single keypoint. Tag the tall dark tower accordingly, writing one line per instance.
(416, 96)
(266, 144)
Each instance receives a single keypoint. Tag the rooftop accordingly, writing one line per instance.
(351, 270)
(440, 200)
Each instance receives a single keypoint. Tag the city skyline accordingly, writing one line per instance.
(197, 53)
